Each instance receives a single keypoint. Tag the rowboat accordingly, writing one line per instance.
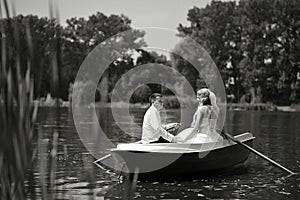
(178, 158)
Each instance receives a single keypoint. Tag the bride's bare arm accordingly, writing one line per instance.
(196, 122)
(194, 119)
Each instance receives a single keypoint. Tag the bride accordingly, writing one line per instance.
(202, 129)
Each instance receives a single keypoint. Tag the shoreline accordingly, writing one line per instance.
(170, 102)
(230, 106)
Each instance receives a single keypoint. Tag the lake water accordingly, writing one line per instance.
(277, 136)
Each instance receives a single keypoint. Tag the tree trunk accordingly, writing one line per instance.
(104, 88)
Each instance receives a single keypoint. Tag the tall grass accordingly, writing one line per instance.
(17, 111)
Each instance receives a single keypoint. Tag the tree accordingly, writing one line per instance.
(217, 28)
(153, 57)
(255, 45)
(83, 35)
(271, 48)
(43, 32)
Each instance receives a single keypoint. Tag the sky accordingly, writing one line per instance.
(166, 14)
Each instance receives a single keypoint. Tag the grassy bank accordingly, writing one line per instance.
(247, 106)
(172, 102)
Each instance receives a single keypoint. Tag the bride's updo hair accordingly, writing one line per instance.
(209, 99)
(204, 93)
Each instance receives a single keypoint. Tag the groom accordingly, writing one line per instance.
(153, 132)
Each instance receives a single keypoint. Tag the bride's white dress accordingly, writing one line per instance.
(205, 133)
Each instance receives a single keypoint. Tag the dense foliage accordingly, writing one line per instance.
(254, 43)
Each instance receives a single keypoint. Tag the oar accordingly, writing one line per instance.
(100, 159)
(258, 153)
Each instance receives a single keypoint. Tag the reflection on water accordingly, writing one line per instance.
(277, 136)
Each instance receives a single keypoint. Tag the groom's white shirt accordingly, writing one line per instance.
(152, 128)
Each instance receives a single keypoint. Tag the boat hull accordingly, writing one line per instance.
(171, 162)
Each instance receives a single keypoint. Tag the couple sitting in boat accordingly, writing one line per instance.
(202, 129)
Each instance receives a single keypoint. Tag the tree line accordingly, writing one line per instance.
(254, 43)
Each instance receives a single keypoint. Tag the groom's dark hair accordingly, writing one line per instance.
(153, 97)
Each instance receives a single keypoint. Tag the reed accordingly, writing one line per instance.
(43, 163)
(17, 110)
